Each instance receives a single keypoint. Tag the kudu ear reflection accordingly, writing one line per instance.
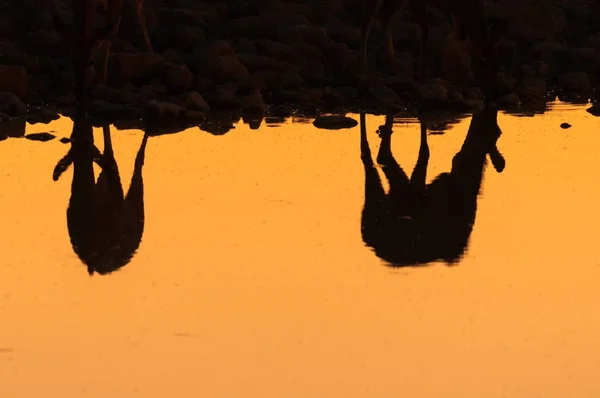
(105, 226)
(415, 223)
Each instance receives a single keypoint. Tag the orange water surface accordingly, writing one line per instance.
(252, 279)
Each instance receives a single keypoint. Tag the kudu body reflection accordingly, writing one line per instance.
(417, 223)
(105, 226)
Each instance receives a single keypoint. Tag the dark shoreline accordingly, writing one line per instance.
(248, 59)
(438, 121)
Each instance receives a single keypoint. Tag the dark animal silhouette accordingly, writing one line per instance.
(85, 40)
(105, 226)
(468, 23)
(415, 223)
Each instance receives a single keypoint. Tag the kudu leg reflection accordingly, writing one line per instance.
(388, 220)
(393, 172)
(375, 196)
(376, 209)
(134, 201)
(397, 178)
(109, 179)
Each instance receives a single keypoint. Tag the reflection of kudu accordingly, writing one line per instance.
(415, 223)
(105, 226)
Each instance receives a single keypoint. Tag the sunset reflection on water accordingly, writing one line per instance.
(252, 279)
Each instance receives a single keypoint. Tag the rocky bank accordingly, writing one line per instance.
(250, 58)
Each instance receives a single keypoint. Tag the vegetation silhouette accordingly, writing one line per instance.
(417, 223)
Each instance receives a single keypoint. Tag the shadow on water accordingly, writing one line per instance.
(105, 225)
(415, 223)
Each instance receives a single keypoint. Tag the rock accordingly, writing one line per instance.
(527, 72)
(457, 100)
(43, 115)
(272, 79)
(188, 36)
(217, 61)
(163, 109)
(533, 88)
(541, 68)
(474, 94)
(399, 83)
(280, 51)
(576, 82)
(275, 121)
(218, 124)
(228, 68)
(14, 128)
(31, 63)
(201, 84)
(13, 79)
(345, 34)
(350, 93)
(173, 57)
(206, 54)
(134, 67)
(334, 122)
(251, 83)
(252, 26)
(11, 105)
(153, 90)
(195, 102)
(42, 40)
(580, 55)
(432, 92)
(291, 79)
(253, 121)
(340, 56)
(222, 98)
(68, 99)
(110, 94)
(4, 118)
(184, 16)
(259, 62)
(505, 84)
(43, 137)
(253, 102)
(283, 96)
(311, 34)
(190, 116)
(244, 45)
(547, 47)
(507, 51)
(105, 110)
(385, 96)
(178, 78)
(530, 20)
(565, 126)
(339, 96)
(508, 100)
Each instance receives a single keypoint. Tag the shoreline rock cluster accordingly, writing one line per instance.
(249, 58)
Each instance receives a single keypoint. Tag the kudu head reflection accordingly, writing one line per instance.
(105, 226)
(415, 223)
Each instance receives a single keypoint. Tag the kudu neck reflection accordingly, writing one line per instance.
(415, 223)
(105, 226)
